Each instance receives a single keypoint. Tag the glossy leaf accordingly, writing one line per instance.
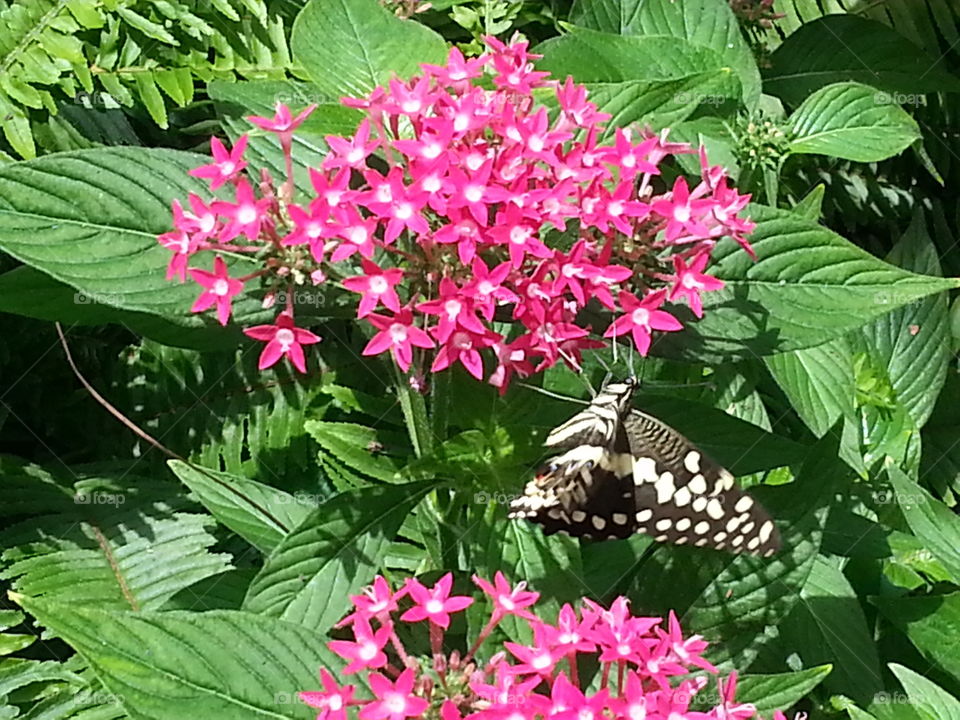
(335, 551)
(167, 666)
(348, 47)
(850, 121)
(845, 47)
(714, 27)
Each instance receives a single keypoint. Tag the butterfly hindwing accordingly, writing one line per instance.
(623, 471)
(685, 497)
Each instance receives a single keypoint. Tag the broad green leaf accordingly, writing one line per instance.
(136, 561)
(934, 524)
(29, 292)
(845, 47)
(602, 57)
(828, 625)
(912, 342)
(661, 104)
(750, 595)
(925, 696)
(807, 286)
(849, 121)
(90, 219)
(927, 621)
(818, 381)
(359, 447)
(335, 551)
(260, 514)
(708, 23)
(740, 446)
(173, 665)
(778, 692)
(348, 47)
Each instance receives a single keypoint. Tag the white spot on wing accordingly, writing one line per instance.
(665, 488)
(692, 461)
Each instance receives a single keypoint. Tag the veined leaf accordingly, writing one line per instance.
(828, 624)
(851, 121)
(91, 218)
(168, 666)
(807, 286)
(260, 514)
(845, 47)
(925, 696)
(335, 551)
(348, 47)
(929, 622)
(707, 23)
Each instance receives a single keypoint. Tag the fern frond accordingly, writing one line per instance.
(56, 52)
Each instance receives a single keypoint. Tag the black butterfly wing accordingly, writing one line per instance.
(683, 496)
(587, 492)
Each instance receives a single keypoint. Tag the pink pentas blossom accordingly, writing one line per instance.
(394, 700)
(434, 604)
(641, 318)
(376, 286)
(492, 221)
(366, 650)
(283, 339)
(399, 335)
(332, 701)
(227, 164)
(487, 681)
(218, 289)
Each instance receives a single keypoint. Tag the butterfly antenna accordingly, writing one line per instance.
(550, 393)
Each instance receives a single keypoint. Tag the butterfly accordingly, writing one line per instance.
(622, 472)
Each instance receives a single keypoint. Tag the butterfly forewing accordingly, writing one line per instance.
(623, 471)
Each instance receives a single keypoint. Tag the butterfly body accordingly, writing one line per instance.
(622, 471)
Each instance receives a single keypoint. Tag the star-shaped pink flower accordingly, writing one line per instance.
(376, 286)
(397, 334)
(226, 165)
(394, 701)
(641, 318)
(283, 338)
(332, 700)
(219, 289)
(434, 604)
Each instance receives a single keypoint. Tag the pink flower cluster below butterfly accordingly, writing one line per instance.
(471, 224)
(645, 668)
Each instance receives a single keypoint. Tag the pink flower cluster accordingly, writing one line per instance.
(482, 221)
(644, 667)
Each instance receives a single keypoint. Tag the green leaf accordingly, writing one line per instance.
(913, 342)
(926, 696)
(707, 23)
(845, 47)
(260, 514)
(738, 445)
(928, 622)
(29, 292)
(602, 57)
(807, 286)
(775, 692)
(934, 524)
(818, 381)
(359, 447)
(90, 219)
(168, 666)
(334, 552)
(853, 122)
(828, 625)
(749, 595)
(151, 98)
(348, 47)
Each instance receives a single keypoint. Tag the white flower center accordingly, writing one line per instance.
(452, 308)
(378, 285)
(640, 316)
(434, 606)
(681, 213)
(221, 287)
(395, 702)
(368, 650)
(354, 156)
(246, 214)
(398, 334)
(403, 211)
(358, 235)
(473, 193)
